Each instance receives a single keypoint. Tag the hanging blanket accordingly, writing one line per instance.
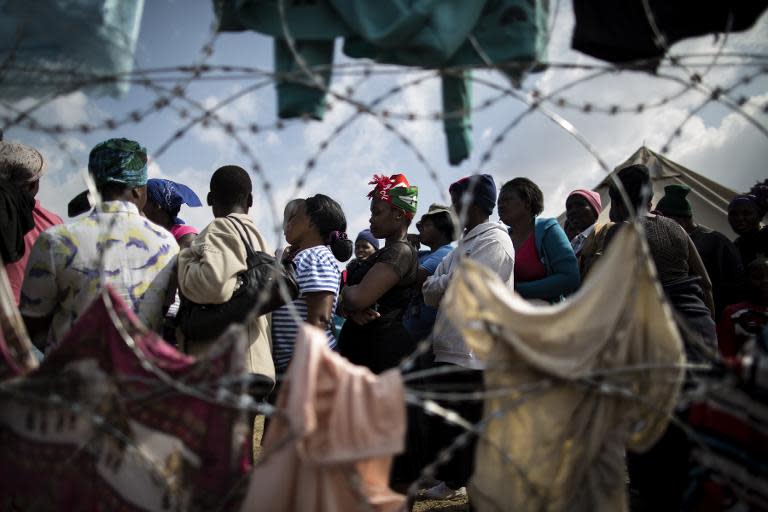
(93, 429)
(330, 447)
(576, 388)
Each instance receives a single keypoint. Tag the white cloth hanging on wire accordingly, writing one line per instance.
(562, 447)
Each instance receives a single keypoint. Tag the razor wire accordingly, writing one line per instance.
(171, 86)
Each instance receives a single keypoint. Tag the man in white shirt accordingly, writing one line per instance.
(487, 243)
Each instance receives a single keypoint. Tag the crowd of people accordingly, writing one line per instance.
(376, 309)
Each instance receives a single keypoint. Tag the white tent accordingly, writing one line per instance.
(708, 199)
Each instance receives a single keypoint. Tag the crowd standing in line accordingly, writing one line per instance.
(389, 296)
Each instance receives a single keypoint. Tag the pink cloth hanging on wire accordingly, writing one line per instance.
(330, 446)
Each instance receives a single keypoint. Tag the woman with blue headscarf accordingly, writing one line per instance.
(164, 200)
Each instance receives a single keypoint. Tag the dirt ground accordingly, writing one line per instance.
(442, 505)
(458, 505)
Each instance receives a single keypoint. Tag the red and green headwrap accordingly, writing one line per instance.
(396, 191)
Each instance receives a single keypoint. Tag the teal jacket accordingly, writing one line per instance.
(556, 254)
(424, 33)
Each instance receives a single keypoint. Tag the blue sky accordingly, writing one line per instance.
(716, 142)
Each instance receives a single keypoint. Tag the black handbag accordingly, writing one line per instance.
(258, 291)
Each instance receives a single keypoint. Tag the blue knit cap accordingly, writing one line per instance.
(483, 190)
(368, 237)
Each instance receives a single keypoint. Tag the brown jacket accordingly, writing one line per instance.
(208, 274)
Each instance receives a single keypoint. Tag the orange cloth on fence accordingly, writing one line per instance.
(329, 447)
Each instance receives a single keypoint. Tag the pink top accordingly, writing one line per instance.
(43, 220)
(528, 266)
(179, 230)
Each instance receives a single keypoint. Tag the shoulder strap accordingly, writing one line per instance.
(246, 242)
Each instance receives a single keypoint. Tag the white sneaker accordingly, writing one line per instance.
(443, 492)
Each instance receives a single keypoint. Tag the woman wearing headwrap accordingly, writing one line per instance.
(379, 289)
(164, 200)
(582, 208)
(745, 214)
(378, 292)
(113, 245)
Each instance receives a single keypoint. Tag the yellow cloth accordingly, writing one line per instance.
(208, 271)
(563, 447)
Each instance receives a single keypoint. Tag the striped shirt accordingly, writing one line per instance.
(316, 271)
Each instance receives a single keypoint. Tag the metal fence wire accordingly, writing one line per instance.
(172, 94)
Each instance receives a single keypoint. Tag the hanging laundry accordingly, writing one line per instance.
(330, 445)
(430, 34)
(15, 347)
(92, 429)
(621, 32)
(562, 447)
(58, 46)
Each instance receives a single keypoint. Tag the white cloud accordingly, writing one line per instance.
(732, 152)
(716, 143)
(69, 110)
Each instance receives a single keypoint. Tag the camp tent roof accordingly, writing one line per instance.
(708, 199)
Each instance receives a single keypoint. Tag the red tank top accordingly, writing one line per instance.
(528, 266)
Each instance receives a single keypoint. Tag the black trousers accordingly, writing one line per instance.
(439, 434)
